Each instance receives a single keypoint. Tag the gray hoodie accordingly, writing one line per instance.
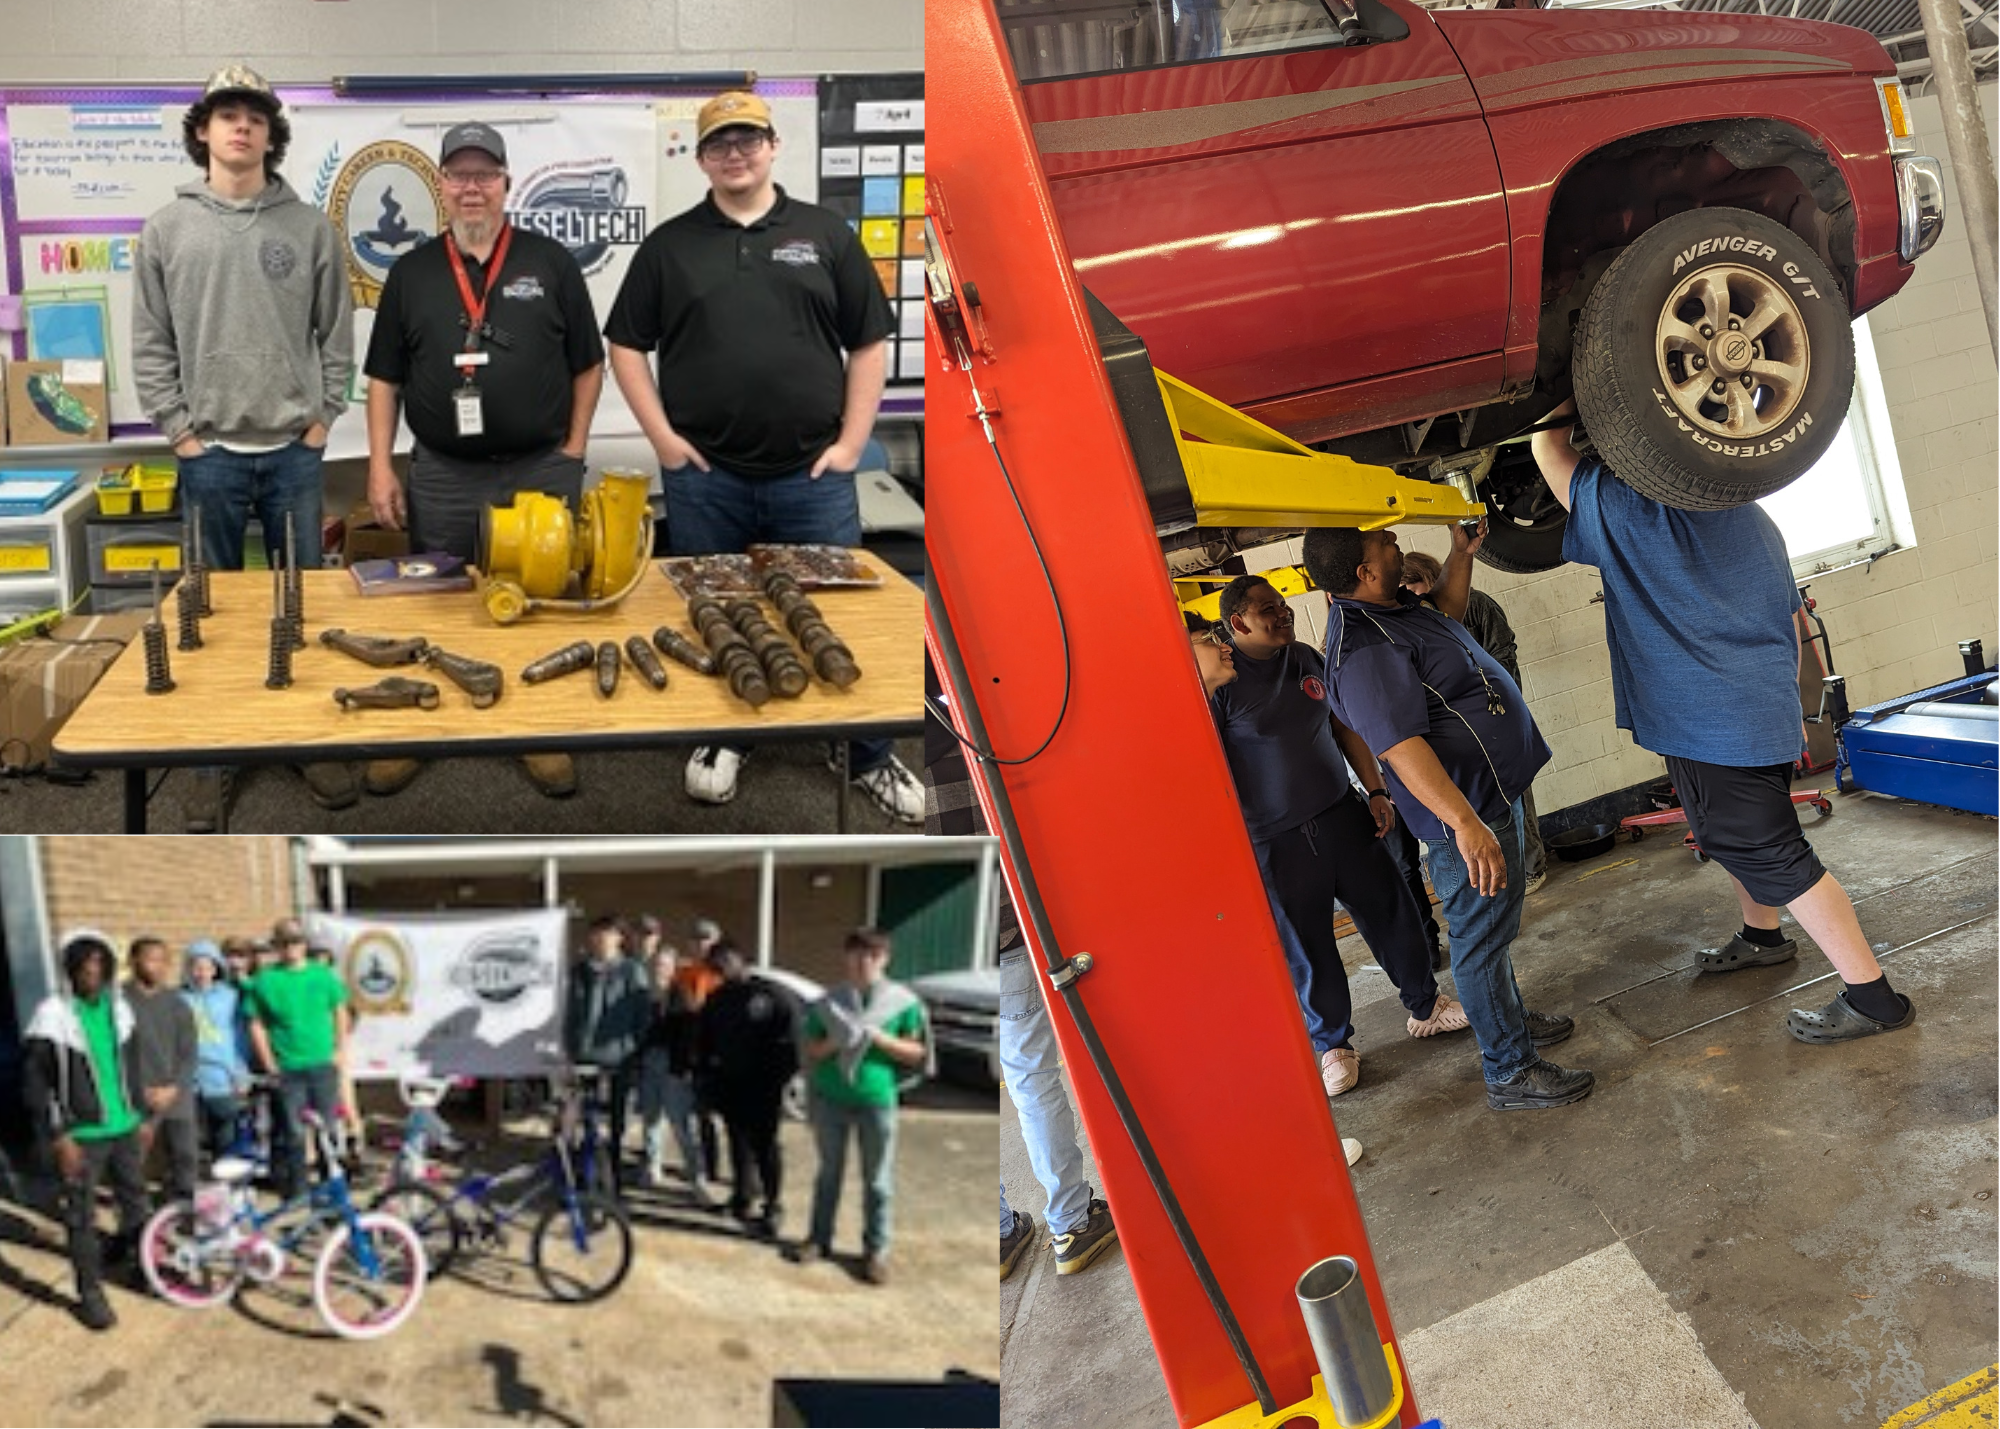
(243, 324)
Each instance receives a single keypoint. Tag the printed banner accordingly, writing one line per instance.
(451, 996)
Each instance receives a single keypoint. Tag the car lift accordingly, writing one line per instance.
(1052, 623)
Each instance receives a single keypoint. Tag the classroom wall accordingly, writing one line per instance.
(306, 41)
(1895, 625)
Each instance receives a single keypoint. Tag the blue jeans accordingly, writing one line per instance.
(667, 1099)
(717, 511)
(229, 486)
(875, 1127)
(1031, 1062)
(317, 1087)
(1482, 931)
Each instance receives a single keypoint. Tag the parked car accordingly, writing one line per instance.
(1406, 235)
(964, 1009)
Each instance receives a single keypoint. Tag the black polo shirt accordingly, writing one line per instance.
(749, 323)
(543, 309)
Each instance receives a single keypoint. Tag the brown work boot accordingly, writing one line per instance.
(875, 1269)
(331, 785)
(553, 774)
(389, 776)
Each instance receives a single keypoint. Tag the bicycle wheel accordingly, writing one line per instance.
(428, 1212)
(184, 1265)
(358, 1303)
(581, 1250)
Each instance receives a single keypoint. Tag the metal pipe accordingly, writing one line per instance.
(1064, 974)
(1966, 143)
(1341, 1324)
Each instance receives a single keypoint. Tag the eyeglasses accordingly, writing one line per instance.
(468, 178)
(743, 144)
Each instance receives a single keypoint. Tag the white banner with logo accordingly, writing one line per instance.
(449, 995)
(584, 173)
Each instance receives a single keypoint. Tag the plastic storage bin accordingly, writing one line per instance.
(122, 551)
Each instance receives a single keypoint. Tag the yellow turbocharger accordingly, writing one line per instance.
(539, 557)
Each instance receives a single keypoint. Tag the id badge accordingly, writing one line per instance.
(471, 419)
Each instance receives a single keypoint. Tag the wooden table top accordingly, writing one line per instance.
(220, 710)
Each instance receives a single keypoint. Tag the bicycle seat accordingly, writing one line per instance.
(233, 1169)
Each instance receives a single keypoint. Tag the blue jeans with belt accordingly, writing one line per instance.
(714, 511)
(1482, 933)
(228, 486)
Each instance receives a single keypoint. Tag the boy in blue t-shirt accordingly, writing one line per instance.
(1698, 612)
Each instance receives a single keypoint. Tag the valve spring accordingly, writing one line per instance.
(159, 673)
(279, 675)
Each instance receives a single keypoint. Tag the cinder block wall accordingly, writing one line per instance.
(175, 886)
(301, 42)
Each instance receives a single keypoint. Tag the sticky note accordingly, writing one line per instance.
(910, 361)
(881, 237)
(913, 158)
(913, 278)
(913, 240)
(879, 196)
(840, 163)
(913, 195)
(882, 159)
(885, 270)
(912, 319)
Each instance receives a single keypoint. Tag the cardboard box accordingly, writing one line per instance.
(41, 684)
(56, 403)
(368, 540)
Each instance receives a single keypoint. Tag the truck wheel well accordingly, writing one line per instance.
(1618, 192)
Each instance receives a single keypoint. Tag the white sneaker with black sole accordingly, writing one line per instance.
(711, 773)
(895, 790)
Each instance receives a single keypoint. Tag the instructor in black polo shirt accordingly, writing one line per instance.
(486, 339)
(749, 300)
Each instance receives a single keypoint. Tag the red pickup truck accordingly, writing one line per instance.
(1405, 235)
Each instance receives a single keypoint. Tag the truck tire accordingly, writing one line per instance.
(1714, 360)
(1526, 535)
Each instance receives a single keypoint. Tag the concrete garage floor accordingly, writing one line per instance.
(1734, 1229)
(784, 789)
(705, 1322)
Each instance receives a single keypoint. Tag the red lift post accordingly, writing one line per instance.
(1127, 822)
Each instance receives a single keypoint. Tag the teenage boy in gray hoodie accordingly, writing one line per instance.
(243, 347)
(165, 1049)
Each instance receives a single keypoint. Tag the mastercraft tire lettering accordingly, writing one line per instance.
(1714, 360)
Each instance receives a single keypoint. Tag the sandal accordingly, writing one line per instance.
(1742, 953)
(1841, 1021)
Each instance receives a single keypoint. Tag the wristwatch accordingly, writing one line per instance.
(1381, 794)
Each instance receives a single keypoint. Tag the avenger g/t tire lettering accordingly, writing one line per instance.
(1715, 360)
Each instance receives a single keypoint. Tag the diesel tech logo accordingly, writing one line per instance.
(380, 972)
(499, 967)
(582, 206)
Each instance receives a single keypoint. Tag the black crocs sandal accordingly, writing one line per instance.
(1841, 1021)
(1742, 953)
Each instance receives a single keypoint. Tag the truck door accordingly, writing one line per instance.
(1273, 210)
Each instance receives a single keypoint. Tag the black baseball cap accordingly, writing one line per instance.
(483, 137)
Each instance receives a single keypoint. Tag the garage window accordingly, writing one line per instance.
(1850, 507)
(1052, 39)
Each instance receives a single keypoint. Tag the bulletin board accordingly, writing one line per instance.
(81, 170)
(871, 172)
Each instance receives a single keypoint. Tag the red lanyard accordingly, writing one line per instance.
(476, 311)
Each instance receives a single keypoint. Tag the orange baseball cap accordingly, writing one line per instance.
(734, 108)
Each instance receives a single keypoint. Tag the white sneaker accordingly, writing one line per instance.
(1339, 1069)
(1535, 885)
(896, 791)
(711, 774)
(1351, 1149)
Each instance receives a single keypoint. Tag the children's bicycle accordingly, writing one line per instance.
(367, 1276)
(580, 1246)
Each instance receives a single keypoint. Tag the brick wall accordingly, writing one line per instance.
(177, 887)
(292, 41)
(810, 921)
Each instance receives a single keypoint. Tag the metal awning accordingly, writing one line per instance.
(464, 857)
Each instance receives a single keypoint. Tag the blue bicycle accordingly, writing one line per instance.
(581, 1243)
(367, 1277)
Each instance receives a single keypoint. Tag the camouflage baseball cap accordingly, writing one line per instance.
(734, 108)
(243, 80)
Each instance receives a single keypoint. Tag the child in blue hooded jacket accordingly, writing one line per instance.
(222, 1075)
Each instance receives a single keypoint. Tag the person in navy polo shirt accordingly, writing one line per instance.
(1461, 748)
(1699, 613)
(1315, 841)
(770, 331)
